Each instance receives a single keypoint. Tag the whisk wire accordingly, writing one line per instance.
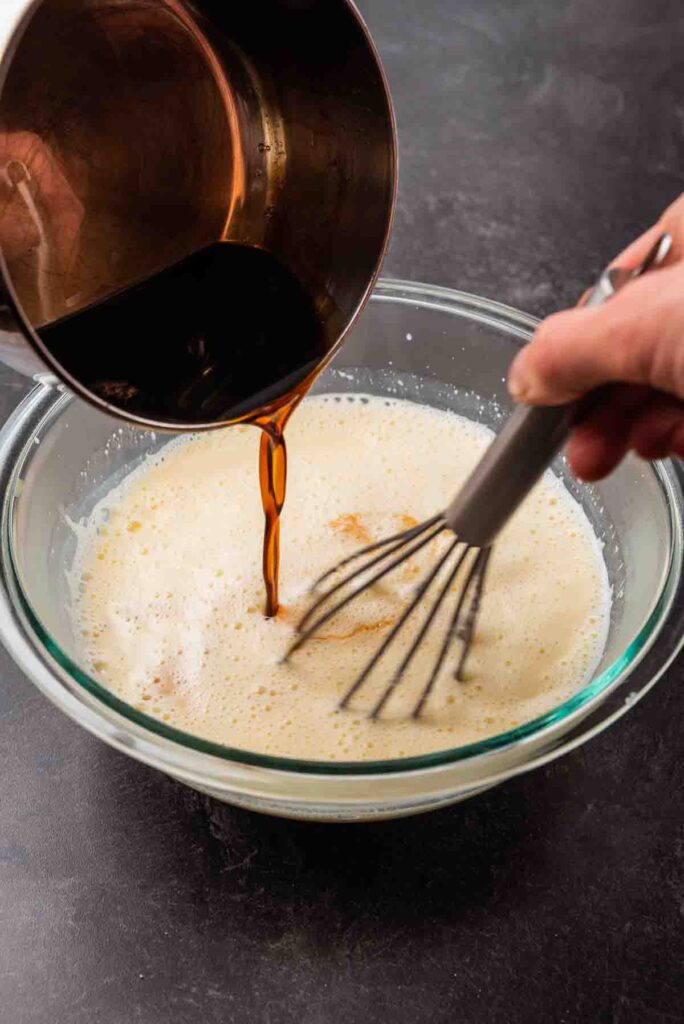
(437, 603)
(401, 537)
(450, 635)
(415, 546)
(396, 542)
(403, 618)
(466, 634)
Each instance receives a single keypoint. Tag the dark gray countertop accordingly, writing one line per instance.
(537, 137)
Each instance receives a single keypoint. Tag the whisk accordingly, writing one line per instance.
(510, 467)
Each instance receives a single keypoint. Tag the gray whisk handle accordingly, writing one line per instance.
(531, 438)
(509, 469)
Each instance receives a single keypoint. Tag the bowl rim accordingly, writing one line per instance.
(432, 297)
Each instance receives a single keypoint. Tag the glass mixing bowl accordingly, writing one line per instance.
(58, 456)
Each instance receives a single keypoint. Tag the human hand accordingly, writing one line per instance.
(634, 342)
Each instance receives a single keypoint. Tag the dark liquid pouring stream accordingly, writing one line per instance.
(225, 331)
(273, 483)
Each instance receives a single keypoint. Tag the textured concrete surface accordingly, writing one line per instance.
(536, 138)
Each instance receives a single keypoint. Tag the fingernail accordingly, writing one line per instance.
(518, 384)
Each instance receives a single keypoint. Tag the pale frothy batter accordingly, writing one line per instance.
(170, 595)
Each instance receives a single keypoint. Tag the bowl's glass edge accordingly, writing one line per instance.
(459, 303)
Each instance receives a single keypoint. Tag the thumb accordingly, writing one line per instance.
(635, 338)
